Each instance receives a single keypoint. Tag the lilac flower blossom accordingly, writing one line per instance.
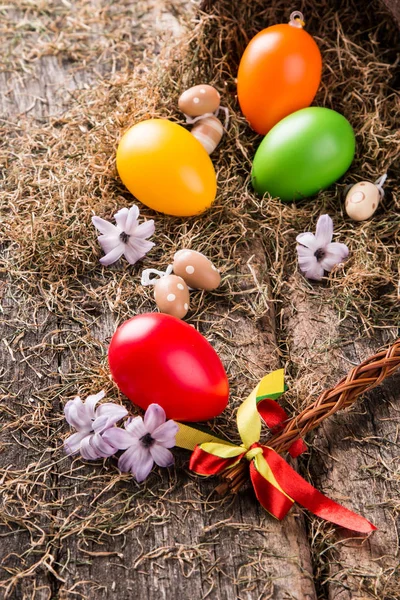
(126, 238)
(90, 424)
(317, 253)
(145, 441)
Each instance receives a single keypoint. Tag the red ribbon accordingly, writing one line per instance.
(204, 463)
(276, 485)
(274, 417)
(306, 495)
(295, 488)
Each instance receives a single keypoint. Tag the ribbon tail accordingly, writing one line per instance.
(297, 448)
(270, 498)
(272, 413)
(309, 497)
(190, 437)
(275, 417)
(271, 386)
(212, 458)
(205, 463)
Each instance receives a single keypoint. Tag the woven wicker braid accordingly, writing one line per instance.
(359, 380)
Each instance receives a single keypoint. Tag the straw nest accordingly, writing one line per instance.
(69, 172)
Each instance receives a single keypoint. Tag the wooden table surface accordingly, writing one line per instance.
(176, 541)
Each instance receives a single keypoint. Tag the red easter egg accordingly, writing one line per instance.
(158, 358)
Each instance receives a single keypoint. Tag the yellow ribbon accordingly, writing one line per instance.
(248, 419)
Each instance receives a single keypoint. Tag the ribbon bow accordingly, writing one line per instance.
(277, 486)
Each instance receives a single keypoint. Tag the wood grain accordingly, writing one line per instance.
(355, 454)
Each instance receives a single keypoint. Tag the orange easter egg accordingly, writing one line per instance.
(279, 73)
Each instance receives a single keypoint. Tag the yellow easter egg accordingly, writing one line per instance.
(166, 168)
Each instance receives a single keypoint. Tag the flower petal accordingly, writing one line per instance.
(137, 460)
(132, 220)
(99, 424)
(335, 253)
(136, 249)
(154, 417)
(161, 456)
(120, 218)
(308, 240)
(101, 447)
(87, 450)
(73, 443)
(165, 434)
(306, 258)
(304, 252)
(132, 255)
(77, 416)
(126, 461)
(145, 230)
(114, 255)
(144, 463)
(136, 427)
(114, 412)
(91, 402)
(141, 246)
(324, 231)
(109, 242)
(119, 438)
(104, 226)
(315, 272)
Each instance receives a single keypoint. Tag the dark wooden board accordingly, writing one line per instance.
(355, 455)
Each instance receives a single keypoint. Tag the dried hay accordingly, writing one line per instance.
(61, 306)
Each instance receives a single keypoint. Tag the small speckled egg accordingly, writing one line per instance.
(198, 272)
(199, 100)
(362, 200)
(172, 296)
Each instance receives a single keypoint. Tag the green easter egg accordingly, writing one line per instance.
(304, 153)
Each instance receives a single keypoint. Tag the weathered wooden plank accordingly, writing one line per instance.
(28, 380)
(355, 454)
(37, 89)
